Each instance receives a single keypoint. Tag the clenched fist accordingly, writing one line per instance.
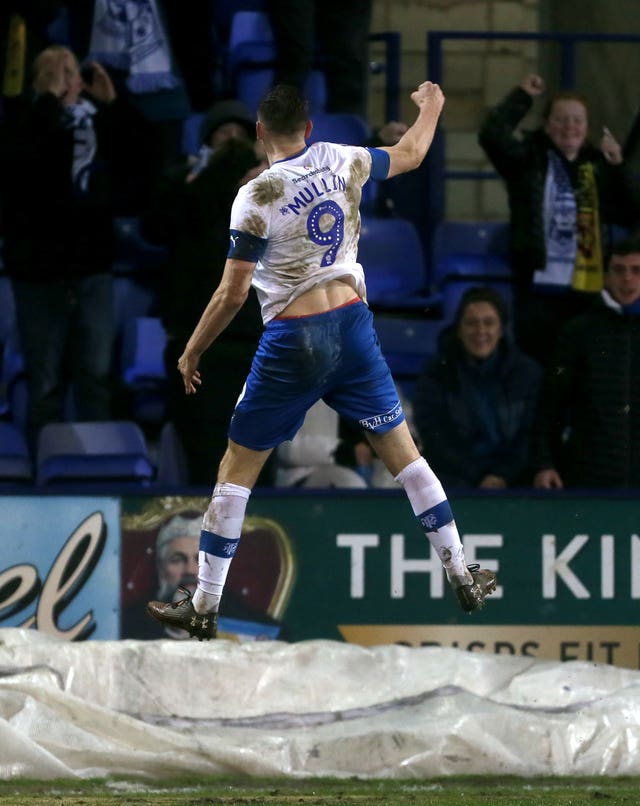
(533, 84)
(428, 94)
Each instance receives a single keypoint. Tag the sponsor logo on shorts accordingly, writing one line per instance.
(373, 423)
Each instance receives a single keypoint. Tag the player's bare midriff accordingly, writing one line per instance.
(321, 298)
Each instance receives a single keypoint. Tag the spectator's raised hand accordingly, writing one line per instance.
(548, 480)
(100, 85)
(610, 147)
(492, 482)
(533, 85)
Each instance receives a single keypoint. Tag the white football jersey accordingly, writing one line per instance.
(306, 210)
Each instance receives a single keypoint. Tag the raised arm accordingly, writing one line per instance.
(227, 299)
(412, 147)
(497, 134)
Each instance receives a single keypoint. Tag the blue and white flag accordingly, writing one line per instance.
(128, 35)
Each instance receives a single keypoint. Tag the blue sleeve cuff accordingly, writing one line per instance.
(243, 246)
(380, 161)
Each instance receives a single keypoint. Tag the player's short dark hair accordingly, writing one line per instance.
(284, 110)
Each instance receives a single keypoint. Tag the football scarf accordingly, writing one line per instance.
(79, 117)
(588, 272)
(571, 228)
(560, 216)
(128, 35)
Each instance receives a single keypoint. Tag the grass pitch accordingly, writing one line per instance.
(489, 791)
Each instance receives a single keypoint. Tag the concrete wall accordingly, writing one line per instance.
(607, 72)
(477, 74)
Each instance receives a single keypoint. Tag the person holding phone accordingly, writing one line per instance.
(67, 161)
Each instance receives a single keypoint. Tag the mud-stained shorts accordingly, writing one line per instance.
(334, 356)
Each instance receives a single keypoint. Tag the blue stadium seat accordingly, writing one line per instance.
(250, 59)
(466, 254)
(7, 308)
(457, 273)
(453, 290)
(8, 341)
(132, 298)
(463, 266)
(250, 56)
(316, 92)
(250, 40)
(96, 454)
(223, 13)
(250, 83)
(142, 368)
(143, 348)
(18, 402)
(13, 379)
(172, 460)
(471, 238)
(339, 127)
(190, 140)
(58, 30)
(369, 200)
(470, 249)
(15, 463)
(407, 342)
(393, 259)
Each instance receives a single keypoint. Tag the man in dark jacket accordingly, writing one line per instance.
(190, 215)
(62, 153)
(563, 193)
(587, 432)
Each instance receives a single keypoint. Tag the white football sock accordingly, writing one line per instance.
(430, 506)
(221, 530)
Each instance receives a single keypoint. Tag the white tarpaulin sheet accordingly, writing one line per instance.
(316, 708)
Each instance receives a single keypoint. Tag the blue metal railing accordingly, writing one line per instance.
(567, 43)
(391, 68)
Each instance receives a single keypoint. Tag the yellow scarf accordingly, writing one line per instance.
(588, 272)
(13, 80)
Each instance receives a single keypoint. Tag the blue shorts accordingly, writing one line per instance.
(334, 356)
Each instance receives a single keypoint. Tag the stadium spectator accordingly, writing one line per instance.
(563, 192)
(191, 215)
(331, 33)
(474, 403)
(66, 156)
(587, 431)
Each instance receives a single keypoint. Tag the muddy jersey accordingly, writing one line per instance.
(299, 221)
